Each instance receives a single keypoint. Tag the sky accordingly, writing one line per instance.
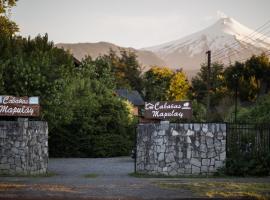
(131, 23)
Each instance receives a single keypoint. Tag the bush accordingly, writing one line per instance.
(248, 165)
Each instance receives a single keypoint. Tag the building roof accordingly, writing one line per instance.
(131, 95)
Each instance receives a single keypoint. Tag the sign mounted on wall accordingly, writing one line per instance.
(19, 106)
(168, 110)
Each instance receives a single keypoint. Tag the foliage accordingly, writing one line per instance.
(7, 26)
(36, 68)
(258, 113)
(157, 81)
(198, 112)
(85, 118)
(216, 81)
(248, 165)
(250, 78)
(100, 126)
(178, 87)
(125, 69)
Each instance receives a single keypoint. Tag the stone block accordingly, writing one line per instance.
(195, 170)
(203, 155)
(218, 164)
(206, 162)
(205, 128)
(212, 161)
(211, 154)
(17, 144)
(209, 142)
(161, 133)
(4, 166)
(14, 150)
(161, 157)
(188, 153)
(169, 158)
(186, 127)
(220, 135)
(162, 164)
(164, 125)
(175, 133)
(165, 169)
(3, 160)
(204, 169)
(223, 127)
(190, 133)
(195, 162)
(203, 148)
(222, 156)
(188, 171)
(197, 127)
(209, 134)
(181, 170)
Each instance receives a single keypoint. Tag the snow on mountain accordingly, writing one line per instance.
(227, 39)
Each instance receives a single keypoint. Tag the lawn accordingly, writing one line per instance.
(260, 191)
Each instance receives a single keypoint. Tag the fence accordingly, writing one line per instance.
(247, 139)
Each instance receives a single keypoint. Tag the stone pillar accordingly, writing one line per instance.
(24, 147)
(181, 149)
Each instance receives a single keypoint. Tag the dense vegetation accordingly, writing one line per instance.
(85, 117)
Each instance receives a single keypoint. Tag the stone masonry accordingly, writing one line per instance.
(180, 149)
(23, 147)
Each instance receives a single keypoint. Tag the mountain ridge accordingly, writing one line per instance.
(227, 39)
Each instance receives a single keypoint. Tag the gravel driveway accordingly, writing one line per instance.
(112, 182)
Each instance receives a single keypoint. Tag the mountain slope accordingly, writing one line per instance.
(80, 50)
(227, 39)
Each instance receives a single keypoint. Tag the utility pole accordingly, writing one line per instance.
(235, 76)
(208, 84)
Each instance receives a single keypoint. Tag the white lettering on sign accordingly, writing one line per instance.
(16, 110)
(14, 100)
(165, 110)
(167, 114)
(158, 106)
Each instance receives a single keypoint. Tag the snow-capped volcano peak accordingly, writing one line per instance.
(227, 36)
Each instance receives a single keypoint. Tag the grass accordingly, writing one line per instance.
(91, 175)
(48, 174)
(144, 175)
(259, 191)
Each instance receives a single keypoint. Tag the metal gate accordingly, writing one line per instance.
(243, 139)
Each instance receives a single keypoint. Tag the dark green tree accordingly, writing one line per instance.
(217, 84)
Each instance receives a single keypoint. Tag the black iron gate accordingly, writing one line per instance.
(245, 139)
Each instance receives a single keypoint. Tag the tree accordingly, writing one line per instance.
(257, 113)
(125, 68)
(6, 25)
(101, 125)
(217, 84)
(251, 77)
(157, 82)
(179, 87)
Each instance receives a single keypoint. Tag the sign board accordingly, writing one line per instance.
(168, 110)
(19, 106)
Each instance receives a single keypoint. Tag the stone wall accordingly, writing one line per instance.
(180, 149)
(23, 147)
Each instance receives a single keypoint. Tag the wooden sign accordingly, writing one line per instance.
(19, 106)
(168, 110)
